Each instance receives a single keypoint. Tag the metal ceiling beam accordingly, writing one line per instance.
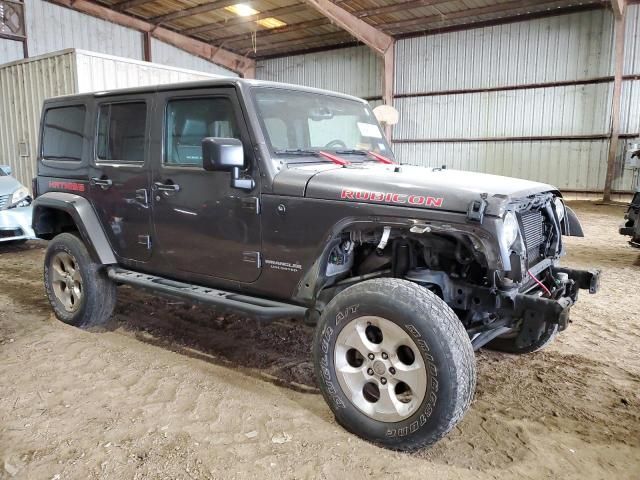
(190, 12)
(222, 57)
(122, 6)
(242, 20)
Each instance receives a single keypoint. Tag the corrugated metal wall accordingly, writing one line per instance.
(169, 55)
(520, 130)
(51, 28)
(25, 84)
(10, 50)
(355, 71)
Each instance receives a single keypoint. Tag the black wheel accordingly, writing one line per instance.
(511, 344)
(394, 363)
(79, 290)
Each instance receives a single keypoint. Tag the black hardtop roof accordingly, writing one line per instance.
(214, 82)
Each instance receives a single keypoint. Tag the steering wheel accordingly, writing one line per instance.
(336, 144)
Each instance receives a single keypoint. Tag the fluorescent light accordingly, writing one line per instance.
(270, 22)
(242, 10)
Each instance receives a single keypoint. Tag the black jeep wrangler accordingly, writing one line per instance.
(281, 201)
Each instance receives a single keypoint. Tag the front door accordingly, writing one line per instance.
(119, 185)
(202, 224)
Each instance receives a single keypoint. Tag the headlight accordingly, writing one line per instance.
(559, 204)
(510, 229)
(18, 195)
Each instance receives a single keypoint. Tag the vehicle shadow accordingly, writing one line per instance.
(278, 352)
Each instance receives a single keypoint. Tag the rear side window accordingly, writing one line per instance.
(121, 132)
(191, 120)
(63, 133)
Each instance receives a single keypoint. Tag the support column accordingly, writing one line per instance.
(388, 75)
(146, 47)
(615, 105)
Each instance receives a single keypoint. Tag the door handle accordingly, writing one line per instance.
(104, 183)
(166, 187)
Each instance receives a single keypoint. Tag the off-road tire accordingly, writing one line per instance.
(98, 297)
(442, 342)
(508, 344)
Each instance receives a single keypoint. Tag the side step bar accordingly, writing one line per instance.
(260, 308)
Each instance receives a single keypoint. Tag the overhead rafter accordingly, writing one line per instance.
(220, 56)
(190, 12)
(471, 13)
(299, 7)
(396, 7)
(293, 27)
(375, 39)
(618, 7)
(122, 6)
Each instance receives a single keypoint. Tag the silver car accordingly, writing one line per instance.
(15, 208)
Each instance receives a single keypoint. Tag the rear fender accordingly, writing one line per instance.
(85, 220)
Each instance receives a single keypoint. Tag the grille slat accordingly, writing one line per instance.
(533, 232)
(4, 200)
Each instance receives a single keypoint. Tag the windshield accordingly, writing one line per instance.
(304, 122)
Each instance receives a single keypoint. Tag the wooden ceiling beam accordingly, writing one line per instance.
(294, 27)
(618, 7)
(375, 39)
(190, 12)
(396, 7)
(220, 56)
(299, 7)
(509, 8)
(122, 6)
(275, 48)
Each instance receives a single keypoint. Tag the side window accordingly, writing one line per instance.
(189, 121)
(62, 135)
(121, 132)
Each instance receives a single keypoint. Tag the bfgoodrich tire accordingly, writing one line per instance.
(78, 289)
(394, 363)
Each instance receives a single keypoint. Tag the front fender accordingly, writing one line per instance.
(571, 226)
(83, 216)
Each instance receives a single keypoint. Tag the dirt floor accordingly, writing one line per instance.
(174, 391)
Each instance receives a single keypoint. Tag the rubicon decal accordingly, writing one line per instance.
(392, 197)
(72, 186)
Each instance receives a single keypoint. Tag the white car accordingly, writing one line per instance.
(15, 209)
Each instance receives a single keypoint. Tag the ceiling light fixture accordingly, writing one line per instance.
(242, 10)
(270, 22)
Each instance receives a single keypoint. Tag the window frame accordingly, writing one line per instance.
(238, 117)
(66, 160)
(98, 106)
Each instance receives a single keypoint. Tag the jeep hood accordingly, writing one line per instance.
(8, 185)
(411, 186)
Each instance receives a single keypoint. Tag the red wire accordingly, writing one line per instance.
(539, 283)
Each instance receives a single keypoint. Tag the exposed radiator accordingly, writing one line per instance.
(533, 232)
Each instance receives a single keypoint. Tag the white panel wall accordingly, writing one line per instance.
(169, 55)
(10, 50)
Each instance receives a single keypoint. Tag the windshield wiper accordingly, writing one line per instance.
(368, 153)
(297, 151)
(316, 153)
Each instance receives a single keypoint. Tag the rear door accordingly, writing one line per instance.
(203, 225)
(119, 180)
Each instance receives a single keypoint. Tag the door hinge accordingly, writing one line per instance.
(252, 257)
(145, 240)
(252, 203)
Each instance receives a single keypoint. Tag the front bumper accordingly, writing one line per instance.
(15, 224)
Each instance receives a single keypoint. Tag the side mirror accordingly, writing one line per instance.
(6, 169)
(226, 155)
